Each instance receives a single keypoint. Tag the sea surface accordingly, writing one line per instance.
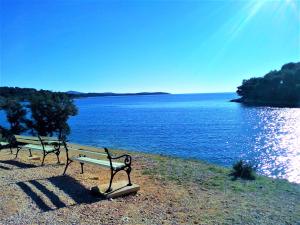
(202, 126)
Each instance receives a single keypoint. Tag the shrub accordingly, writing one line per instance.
(243, 170)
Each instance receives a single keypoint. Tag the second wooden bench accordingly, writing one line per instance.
(46, 145)
(98, 157)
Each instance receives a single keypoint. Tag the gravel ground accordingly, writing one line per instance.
(173, 191)
(31, 194)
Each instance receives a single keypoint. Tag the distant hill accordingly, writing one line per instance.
(26, 93)
(276, 88)
(75, 94)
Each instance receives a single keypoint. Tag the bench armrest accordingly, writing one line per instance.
(127, 160)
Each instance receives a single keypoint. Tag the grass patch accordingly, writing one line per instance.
(231, 201)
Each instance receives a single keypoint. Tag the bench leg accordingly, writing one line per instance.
(44, 156)
(128, 171)
(110, 182)
(67, 164)
(57, 155)
(18, 149)
(30, 154)
(81, 164)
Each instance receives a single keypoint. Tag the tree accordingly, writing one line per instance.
(50, 112)
(16, 115)
(276, 87)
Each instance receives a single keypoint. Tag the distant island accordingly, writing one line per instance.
(26, 93)
(277, 88)
(75, 94)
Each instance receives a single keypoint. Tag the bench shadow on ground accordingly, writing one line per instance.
(4, 168)
(71, 188)
(18, 164)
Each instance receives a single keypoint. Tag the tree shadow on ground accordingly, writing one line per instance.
(68, 185)
(18, 164)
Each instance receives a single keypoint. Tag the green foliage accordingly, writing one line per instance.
(20, 94)
(243, 170)
(16, 116)
(277, 87)
(50, 112)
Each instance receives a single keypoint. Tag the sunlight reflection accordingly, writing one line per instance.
(278, 144)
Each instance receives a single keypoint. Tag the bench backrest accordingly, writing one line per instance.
(86, 149)
(40, 140)
(27, 139)
(45, 138)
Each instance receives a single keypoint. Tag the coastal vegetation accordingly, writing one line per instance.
(40, 112)
(276, 88)
(24, 94)
(244, 170)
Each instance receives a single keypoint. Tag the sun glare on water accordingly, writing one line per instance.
(278, 144)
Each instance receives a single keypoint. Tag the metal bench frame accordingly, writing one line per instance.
(6, 146)
(9, 145)
(113, 171)
(55, 144)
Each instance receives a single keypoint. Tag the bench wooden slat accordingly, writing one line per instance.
(77, 147)
(28, 141)
(98, 162)
(87, 152)
(4, 143)
(39, 147)
(36, 140)
(26, 137)
(48, 138)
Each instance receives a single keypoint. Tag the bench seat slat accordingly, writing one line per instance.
(39, 147)
(98, 162)
(4, 143)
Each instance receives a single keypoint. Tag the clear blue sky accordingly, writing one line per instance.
(131, 46)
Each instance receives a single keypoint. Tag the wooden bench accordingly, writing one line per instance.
(5, 142)
(98, 157)
(46, 145)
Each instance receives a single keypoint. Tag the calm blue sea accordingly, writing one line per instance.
(202, 126)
